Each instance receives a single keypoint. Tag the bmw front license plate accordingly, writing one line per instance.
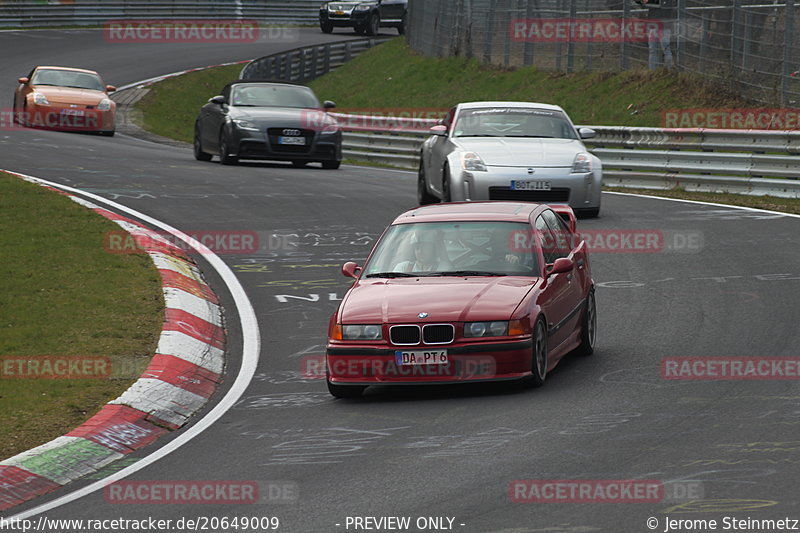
(301, 141)
(421, 357)
(530, 185)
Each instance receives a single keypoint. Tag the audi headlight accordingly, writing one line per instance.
(496, 328)
(582, 163)
(104, 105)
(361, 332)
(472, 161)
(363, 8)
(245, 124)
(40, 99)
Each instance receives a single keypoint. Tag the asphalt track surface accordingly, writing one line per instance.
(449, 451)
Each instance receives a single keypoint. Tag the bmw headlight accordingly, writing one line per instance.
(245, 124)
(497, 328)
(104, 105)
(361, 332)
(40, 99)
(472, 161)
(582, 163)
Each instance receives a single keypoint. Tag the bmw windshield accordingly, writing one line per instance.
(454, 249)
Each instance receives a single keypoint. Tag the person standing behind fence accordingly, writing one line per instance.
(658, 40)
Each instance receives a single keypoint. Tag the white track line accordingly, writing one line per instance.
(729, 206)
(251, 347)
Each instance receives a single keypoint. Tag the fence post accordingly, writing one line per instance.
(704, 43)
(326, 60)
(624, 46)
(507, 38)
(735, 17)
(487, 33)
(788, 43)
(571, 43)
(527, 50)
(680, 33)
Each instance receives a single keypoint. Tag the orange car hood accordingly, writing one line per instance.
(68, 95)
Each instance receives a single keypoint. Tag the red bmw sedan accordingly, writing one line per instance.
(464, 292)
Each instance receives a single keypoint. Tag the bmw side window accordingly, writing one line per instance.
(547, 241)
(563, 240)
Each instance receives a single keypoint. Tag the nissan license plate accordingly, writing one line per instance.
(530, 185)
(421, 357)
(73, 112)
(298, 141)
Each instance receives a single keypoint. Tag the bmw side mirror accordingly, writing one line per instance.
(587, 133)
(328, 104)
(219, 100)
(350, 269)
(23, 81)
(110, 88)
(562, 264)
(440, 129)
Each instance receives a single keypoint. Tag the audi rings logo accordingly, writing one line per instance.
(291, 132)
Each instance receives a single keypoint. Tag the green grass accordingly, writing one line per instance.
(393, 75)
(61, 293)
(171, 106)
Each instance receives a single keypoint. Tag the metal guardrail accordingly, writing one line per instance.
(36, 14)
(308, 62)
(737, 161)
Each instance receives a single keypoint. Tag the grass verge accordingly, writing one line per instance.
(772, 203)
(62, 294)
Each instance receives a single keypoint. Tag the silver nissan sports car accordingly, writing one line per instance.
(517, 151)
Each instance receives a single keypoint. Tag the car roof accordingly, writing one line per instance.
(472, 105)
(271, 82)
(87, 71)
(497, 211)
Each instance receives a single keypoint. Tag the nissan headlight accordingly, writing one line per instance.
(245, 124)
(472, 161)
(104, 105)
(40, 99)
(361, 332)
(582, 163)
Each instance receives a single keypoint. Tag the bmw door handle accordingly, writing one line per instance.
(569, 277)
(580, 263)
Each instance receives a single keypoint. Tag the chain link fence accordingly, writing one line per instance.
(754, 46)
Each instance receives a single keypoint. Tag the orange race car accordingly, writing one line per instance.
(68, 99)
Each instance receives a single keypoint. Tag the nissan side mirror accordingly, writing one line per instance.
(440, 130)
(327, 104)
(350, 269)
(587, 133)
(23, 81)
(110, 88)
(219, 100)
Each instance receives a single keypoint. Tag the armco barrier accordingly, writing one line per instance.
(755, 162)
(308, 62)
(36, 14)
